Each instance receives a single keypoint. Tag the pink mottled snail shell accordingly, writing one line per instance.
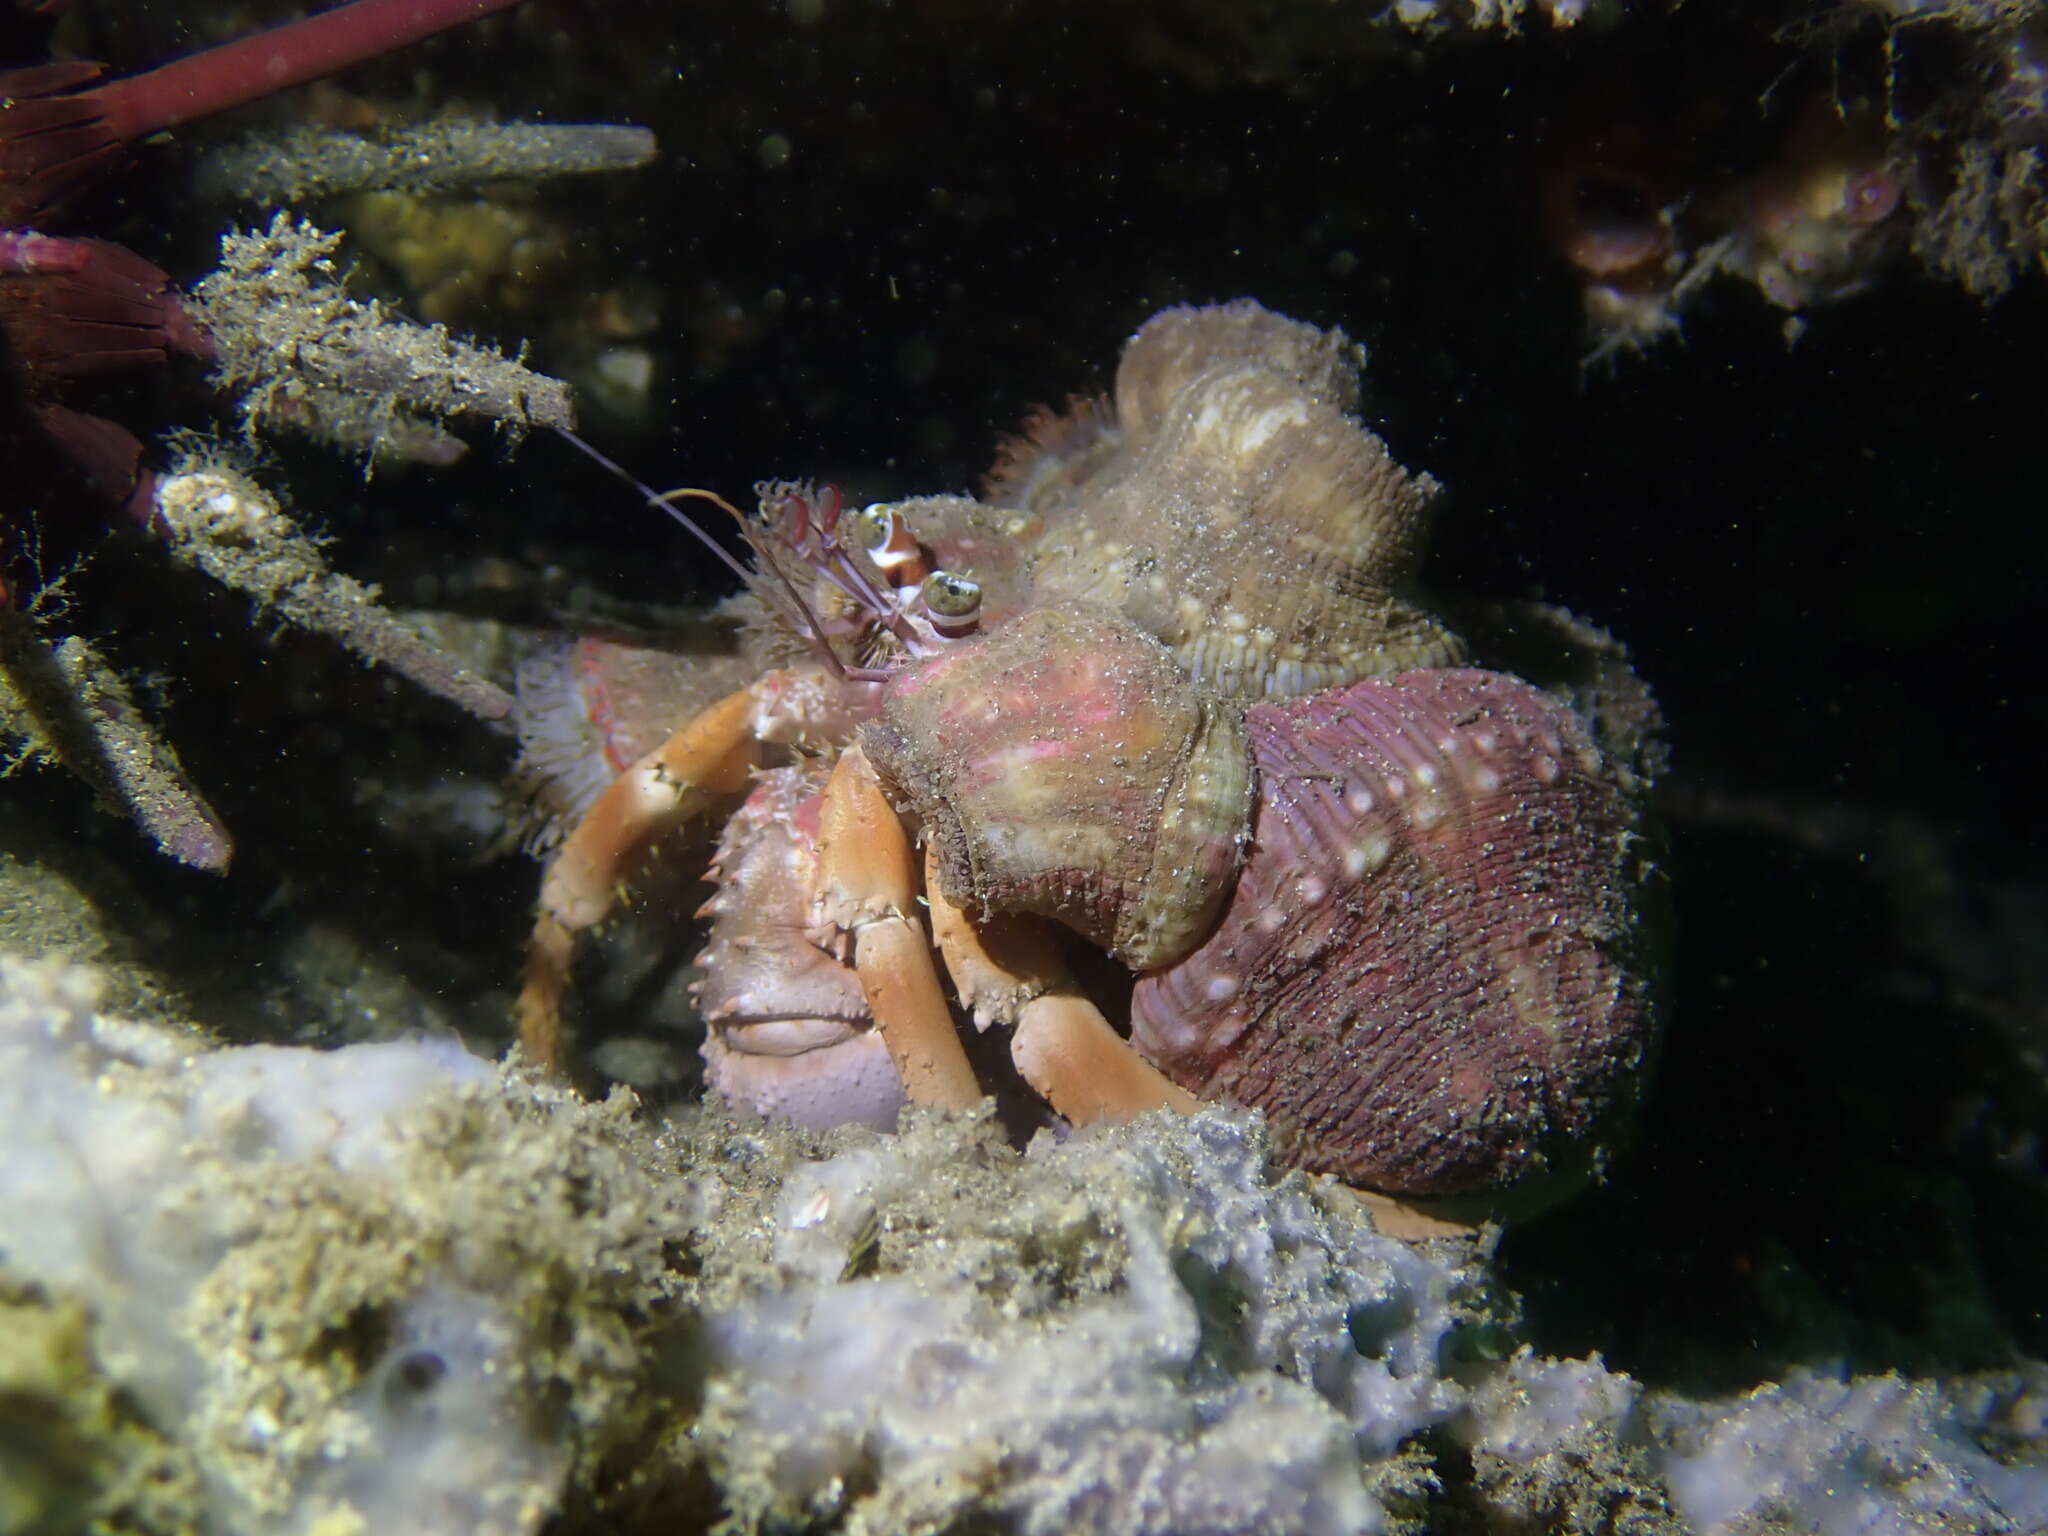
(1215, 725)
(1433, 974)
(1066, 765)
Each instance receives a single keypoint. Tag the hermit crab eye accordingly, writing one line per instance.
(872, 525)
(885, 533)
(953, 602)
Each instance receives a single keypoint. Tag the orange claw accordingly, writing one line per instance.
(711, 757)
(1009, 970)
(1086, 1070)
(867, 887)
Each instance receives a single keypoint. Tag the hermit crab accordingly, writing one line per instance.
(1167, 692)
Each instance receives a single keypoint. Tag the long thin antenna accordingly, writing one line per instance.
(654, 498)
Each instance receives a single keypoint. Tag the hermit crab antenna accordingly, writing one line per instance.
(654, 498)
(821, 546)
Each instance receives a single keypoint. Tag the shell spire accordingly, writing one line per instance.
(1244, 517)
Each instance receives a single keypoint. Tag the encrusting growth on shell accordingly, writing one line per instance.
(1237, 510)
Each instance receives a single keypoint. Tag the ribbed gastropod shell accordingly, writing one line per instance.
(1212, 725)
(1434, 972)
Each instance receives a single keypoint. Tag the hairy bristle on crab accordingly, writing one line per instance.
(587, 710)
(1054, 449)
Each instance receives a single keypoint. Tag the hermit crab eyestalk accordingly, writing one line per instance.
(890, 544)
(952, 602)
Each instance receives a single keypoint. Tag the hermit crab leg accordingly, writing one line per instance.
(1009, 969)
(1083, 1068)
(867, 887)
(711, 757)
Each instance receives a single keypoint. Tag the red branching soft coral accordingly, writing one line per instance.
(73, 308)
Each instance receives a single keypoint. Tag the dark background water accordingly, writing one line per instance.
(1824, 555)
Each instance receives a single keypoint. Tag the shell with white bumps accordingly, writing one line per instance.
(1434, 973)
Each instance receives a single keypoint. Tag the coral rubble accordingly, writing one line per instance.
(439, 156)
(394, 1288)
(304, 356)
